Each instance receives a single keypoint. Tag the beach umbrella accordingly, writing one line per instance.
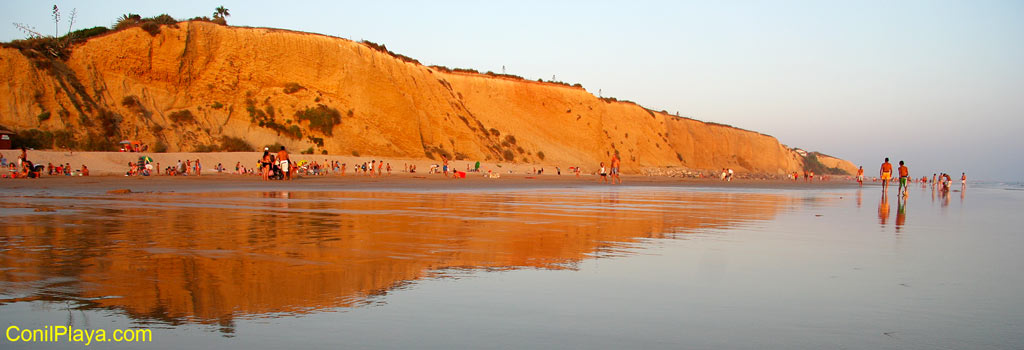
(146, 159)
(303, 162)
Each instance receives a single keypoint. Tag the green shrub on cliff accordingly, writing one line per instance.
(183, 117)
(234, 144)
(321, 118)
(292, 88)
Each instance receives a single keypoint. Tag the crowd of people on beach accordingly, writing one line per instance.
(23, 168)
(279, 165)
(942, 181)
(939, 182)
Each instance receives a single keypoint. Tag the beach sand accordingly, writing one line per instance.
(107, 173)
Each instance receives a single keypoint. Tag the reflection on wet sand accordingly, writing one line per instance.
(901, 212)
(883, 209)
(211, 258)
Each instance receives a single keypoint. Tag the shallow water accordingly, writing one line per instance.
(572, 268)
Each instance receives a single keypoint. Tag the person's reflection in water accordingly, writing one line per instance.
(860, 198)
(933, 193)
(963, 192)
(883, 209)
(945, 197)
(277, 194)
(901, 212)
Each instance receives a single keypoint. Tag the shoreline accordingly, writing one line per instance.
(116, 164)
(399, 181)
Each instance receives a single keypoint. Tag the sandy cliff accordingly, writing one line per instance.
(188, 86)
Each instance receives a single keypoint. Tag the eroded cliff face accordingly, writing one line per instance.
(192, 84)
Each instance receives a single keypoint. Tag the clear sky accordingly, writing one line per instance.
(939, 84)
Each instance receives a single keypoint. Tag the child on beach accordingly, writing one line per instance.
(604, 174)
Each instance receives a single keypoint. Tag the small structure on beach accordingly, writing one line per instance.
(6, 137)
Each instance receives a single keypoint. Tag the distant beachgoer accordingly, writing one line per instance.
(860, 175)
(557, 170)
(3, 161)
(28, 170)
(904, 175)
(885, 173)
(729, 176)
(389, 168)
(264, 165)
(199, 167)
(23, 157)
(616, 163)
(963, 179)
(284, 163)
(445, 160)
(380, 166)
(604, 174)
(85, 170)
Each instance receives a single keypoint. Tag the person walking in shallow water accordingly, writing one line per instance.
(904, 177)
(885, 173)
(615, 169)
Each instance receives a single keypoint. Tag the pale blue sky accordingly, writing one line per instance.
(939, 84)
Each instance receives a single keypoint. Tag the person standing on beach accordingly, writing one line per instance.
(445, 161)
(380, 166)
(264, 165)
(904, 176)
(885, 173)
(199, 167)
(604, 174)
(23, 157)
(963, 180)
(284, 163)
(860, 175)
(615, 169)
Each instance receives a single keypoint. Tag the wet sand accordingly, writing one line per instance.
(396, 181)
(512, 263)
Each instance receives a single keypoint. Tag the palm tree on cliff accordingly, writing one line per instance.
(219, 13)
